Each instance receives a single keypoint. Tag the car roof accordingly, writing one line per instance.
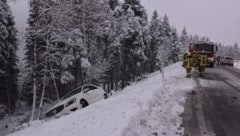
(72, 92)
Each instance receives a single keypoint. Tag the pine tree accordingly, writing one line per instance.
(109, 35)
(236, 51)
(113, 4)
(154, 41)
(175, 53)
(165, 48)
(30, 85)
(8, 58)
(41, 54)
(222, 50)
(229, 52)
(165, 26)
(133, 40)
(184, 41)
(85, 20)
(194, 39)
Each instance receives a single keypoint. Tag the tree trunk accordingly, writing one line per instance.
(34, 84)
(8, 95)
(55, 86)
(34, 98)
(42, 97)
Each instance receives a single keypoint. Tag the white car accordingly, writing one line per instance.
(76, 99)
(227, 61)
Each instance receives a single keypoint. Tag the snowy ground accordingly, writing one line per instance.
(237, 64)
(149, 107)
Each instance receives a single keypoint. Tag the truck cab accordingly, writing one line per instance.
(205, 48)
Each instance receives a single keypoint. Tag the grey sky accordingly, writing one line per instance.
(217, 19)
(20, 12)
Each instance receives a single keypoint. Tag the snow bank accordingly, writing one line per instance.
(237, 64)
(150, 106)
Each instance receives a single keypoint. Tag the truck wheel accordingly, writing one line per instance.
(211, 65)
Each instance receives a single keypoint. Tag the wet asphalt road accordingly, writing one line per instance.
(213, 107)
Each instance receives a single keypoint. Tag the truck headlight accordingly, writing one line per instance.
(211, 59)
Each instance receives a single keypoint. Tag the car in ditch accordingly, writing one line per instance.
(227, 61)
(77, 99)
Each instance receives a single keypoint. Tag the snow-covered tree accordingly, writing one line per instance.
(236, 51)
(133, 40)
(184, 41)
(8, 58)
(30, 84)
(195, 38)
(62, 47)
(154, 41)
(165, 43)
(230, 51)
(175, 53)
(113, 4)
(42, 53)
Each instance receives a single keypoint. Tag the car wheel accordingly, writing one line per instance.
(83, 103)
(105, 96)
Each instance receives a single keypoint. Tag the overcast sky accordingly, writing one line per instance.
(217, 19)
(20, 12)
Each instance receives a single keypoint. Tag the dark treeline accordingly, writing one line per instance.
(74, 42)
(8, 59)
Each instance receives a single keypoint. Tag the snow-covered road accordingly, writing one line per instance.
(148, 107)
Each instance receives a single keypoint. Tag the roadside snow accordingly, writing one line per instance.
(149, 107)
(237, 64)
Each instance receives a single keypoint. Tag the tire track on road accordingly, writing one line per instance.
(194, 121)
(236, 73)
(208, 110)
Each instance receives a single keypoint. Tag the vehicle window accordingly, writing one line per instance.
(89, 88)
(73, 92)
(70, 102)
(205, 47)
(54, 111)
(229, 58)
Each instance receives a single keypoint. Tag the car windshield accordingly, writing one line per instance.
(73, 92)
(228, 58)
(89, 88)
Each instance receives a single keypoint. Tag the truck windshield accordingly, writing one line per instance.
(204, 47)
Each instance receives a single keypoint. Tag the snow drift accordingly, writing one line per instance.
(148, 107)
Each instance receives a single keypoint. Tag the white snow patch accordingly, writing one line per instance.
(150, 106)
(237, 64)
